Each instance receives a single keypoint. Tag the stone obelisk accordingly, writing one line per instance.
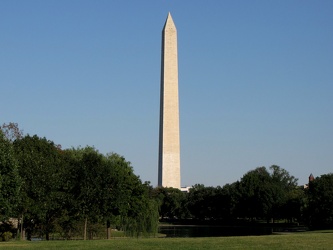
(169, 145)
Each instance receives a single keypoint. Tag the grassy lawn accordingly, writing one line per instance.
(308, 240)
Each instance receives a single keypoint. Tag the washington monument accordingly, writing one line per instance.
(169, 145)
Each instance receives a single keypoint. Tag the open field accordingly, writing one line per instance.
(308, 240)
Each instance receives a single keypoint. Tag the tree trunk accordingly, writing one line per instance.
(23, 234)
(267, 220)
(108, 230)
(22, 229)
(85, 229)
(47, 228)
(18, 228)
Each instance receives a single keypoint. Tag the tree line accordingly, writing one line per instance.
(69, 191)
(261, 196)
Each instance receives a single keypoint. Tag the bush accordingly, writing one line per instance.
(6, 236)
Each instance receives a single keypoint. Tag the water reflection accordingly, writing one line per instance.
(211, 231)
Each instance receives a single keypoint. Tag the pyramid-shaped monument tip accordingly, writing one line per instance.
(169, 22)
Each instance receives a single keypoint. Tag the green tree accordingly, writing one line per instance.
(172, 202)
(264, 194)
(90, 186)
(41, 168)
(87, 189)
(294, 207)
(107, 191)
(256, 197)
(131, 199)
(201, 201)
(10, 182)
(321, 201)
(225, 201)
(142, 215)
(285, 194)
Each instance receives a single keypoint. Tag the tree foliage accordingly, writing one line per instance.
(11, 131)
(264, 194)
(51, 189)
(62, 187)
(10, 182)
(320, 195)
(42, 170)
(171, 202)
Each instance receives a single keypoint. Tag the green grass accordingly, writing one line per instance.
(308, 240)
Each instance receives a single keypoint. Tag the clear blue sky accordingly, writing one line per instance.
(255, 81)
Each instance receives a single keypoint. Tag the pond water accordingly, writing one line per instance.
(211, 231)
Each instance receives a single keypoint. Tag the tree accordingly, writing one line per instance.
(321, 201)
(285, 194)
(41, 168)
(91, 185)
(255, 194)
(87, 181)
(201, 201)
(294, 207)
(142, 214)
(225, 201)
(137, 211)
(171, 202)
(11, 131)
(10, 182)
(106, 190)
(264, 194)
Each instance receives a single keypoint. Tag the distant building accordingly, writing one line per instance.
(311, 178)
(185, 189)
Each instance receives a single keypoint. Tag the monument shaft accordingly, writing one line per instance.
(169, 143)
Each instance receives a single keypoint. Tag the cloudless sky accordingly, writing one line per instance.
(255, 81)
